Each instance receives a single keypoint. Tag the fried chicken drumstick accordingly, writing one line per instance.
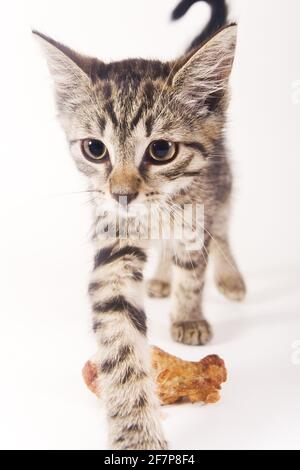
(176, 379)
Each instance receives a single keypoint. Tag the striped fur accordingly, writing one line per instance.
(127, 105)
(120, 325)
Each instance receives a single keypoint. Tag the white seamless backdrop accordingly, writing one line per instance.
(45, 257)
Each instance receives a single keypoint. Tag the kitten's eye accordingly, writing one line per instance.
(94, 150)
(162, 151)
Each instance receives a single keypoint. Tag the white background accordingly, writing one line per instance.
(45, 257)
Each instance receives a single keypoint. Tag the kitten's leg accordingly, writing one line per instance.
(188, 323)
(120, 325)
(160, 285)
(228, 278)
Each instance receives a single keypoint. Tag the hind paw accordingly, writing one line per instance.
(158, 289)
(232, 286)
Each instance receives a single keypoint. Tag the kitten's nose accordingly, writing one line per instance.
(124, 184)
(124, 199)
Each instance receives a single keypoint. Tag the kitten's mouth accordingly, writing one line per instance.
(128, 210)
(133, 210)
(143, 208)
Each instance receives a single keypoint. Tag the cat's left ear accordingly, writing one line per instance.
(202, 80)
(71, 71)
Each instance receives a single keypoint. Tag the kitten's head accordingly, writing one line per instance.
(142, 130)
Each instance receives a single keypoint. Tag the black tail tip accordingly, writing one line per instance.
(181, 9)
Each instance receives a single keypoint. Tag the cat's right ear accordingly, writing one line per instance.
(71, 71)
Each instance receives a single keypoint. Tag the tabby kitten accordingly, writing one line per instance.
(147, 132)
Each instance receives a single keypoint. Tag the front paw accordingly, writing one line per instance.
(193, 333)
